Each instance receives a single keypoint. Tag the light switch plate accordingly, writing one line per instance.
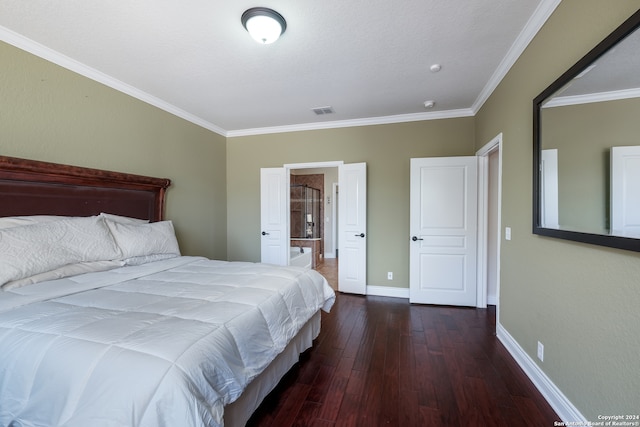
(540, 351)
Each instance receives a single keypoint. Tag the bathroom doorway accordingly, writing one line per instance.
(313, 217)
(352, 220)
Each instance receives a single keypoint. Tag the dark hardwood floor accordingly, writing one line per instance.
(383, 362)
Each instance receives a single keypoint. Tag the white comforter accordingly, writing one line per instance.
(167, 343)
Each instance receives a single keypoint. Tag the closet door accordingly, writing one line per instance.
(443, 222)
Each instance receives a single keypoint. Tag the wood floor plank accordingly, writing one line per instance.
(384, 362)
(353, 344)
(407, 380)
(333, 399)
(349, 413)
(391, 371)
(308, 367)
(308, 415)
(288, 412)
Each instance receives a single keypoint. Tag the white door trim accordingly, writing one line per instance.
(483, 220)
(318, 165)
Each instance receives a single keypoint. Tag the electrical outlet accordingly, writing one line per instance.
(390, 275)
(507, 233)
(540, 351)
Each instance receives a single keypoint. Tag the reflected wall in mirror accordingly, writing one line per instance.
(586, 153)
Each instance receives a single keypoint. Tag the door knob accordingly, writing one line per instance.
(359, 235)
(264, 233)
(414, 238)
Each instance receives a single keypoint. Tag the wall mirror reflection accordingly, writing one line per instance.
(587, 146)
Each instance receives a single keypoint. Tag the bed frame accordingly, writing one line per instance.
(30, 187)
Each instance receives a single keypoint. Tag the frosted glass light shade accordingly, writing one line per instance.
(264, 25)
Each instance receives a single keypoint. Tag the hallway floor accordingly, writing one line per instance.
(329, 269)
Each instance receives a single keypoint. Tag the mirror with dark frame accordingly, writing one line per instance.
(586, 146)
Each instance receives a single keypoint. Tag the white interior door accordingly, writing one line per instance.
(443, 223)
(274, 185)
(352, 228)
(625, 191)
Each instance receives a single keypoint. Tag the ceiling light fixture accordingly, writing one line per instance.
(265, 25)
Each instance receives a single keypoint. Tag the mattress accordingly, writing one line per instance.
(167, 343)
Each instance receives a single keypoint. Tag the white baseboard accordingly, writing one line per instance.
(558, 401)
(329, 255)
(388, 291)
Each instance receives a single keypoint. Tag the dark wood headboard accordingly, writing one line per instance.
(29, 187)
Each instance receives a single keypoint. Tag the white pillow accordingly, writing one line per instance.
(32, 249)
(18, 221)
(145, 239)
(64, 271)
(123, 219)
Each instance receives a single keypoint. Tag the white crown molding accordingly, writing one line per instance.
(614, 95)
(536, 21)
(314, 165)
(552, 394)
(371, 121)
(57, 58)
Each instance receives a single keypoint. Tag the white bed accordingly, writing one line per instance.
(115, 328)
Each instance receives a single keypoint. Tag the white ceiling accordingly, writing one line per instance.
(614, 75)
(368, 59)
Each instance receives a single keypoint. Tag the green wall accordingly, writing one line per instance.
(581, 301)
(386, 149)
(49, 113)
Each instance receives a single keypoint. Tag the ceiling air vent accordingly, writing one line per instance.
(323, 110)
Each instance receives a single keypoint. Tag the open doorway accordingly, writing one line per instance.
(313, 219)
(352, 220)
(490, 188)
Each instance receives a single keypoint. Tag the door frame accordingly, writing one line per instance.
(483, 221)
